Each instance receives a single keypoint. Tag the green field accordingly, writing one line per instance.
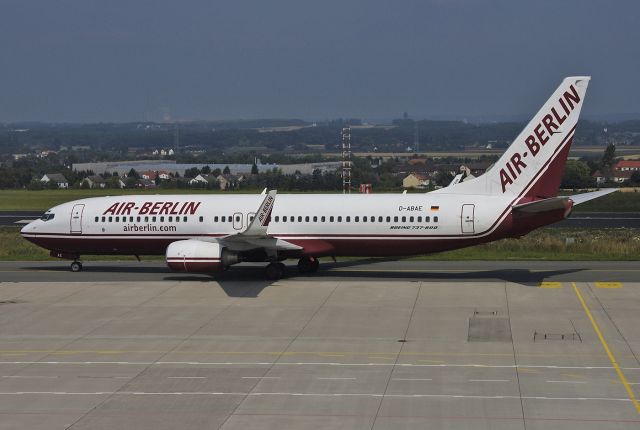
(544, 244)
(44, 199)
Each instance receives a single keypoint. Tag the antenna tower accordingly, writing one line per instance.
(346, 160)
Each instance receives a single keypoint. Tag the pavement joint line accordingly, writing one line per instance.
(489, 380)
(569, 382)
(612, 358)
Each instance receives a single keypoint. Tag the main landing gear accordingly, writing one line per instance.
(308, 265)
(274, 271)
(76, 266)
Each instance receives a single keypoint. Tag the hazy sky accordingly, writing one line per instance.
(113, 60)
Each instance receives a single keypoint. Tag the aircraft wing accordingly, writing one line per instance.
(255, 236)
(560, 201)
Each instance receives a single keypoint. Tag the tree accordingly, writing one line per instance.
(608, 158)
(226, 170)
(576, 175)
(205, 170)
(133, 174)
(254, 169)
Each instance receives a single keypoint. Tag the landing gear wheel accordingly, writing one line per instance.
(308, 265)
(274, 271)
(76, 266)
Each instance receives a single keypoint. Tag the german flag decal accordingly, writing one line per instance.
(435, 208)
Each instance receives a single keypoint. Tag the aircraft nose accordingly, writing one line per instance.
(29, 228)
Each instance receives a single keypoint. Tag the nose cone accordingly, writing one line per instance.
(29, 228)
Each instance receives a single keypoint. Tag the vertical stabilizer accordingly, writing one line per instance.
(533, 165)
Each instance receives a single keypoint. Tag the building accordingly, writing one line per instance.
(95, 181)
(203, 180)
(145, 183)
(149, 175)
(627, 166)
(229, 182)
(599, 177)
(56, 178)
(621, 176)
(416, 180)
(164, 175)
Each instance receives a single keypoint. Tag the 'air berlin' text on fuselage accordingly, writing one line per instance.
(542, 132)
(153, 208)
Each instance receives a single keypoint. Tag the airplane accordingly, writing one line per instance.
(210, 233)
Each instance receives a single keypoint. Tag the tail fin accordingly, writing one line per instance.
(533, 165)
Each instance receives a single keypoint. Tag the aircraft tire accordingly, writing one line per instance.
(76, 266)
(274, 271)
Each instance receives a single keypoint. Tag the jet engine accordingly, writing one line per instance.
(199, 256)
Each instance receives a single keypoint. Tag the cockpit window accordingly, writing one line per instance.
(47, 216)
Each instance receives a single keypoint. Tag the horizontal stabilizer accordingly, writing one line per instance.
(542, 205)
(585, 197)
(560, 202)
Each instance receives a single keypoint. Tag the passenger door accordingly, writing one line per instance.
(76, 219)
(467, 219)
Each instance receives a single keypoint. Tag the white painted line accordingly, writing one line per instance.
(186, 377)
(31, 376)
(256, 394)
(489, 380)
(569, 382)
(260, 377)
(411, 379)
(244, 363)
(338, 378)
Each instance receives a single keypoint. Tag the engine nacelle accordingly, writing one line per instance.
(198, 256)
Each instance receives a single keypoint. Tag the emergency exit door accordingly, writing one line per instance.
(467, 219)
(76, 219)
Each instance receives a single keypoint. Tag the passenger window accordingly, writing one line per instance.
(364, 219)
(419, 219)
(404, 219)
(299, 218)
(395, 219)
(117, 219)
(201, 219)
(177, 219)
(230, 217)
(103, 219)
(340, 219)
(130, 219)
(306, 219)
(348, 219)
(410, 219)
(388, 219)
(277, 218)
(435, 219)
(315, 219)
(161, 219)
(170, 219)
(373, 219)
(330, 219)
(138, 219)
(184, 219)
(146, 219)
(322, 218)
(379, 219)
(356, 219)
(153, 219)
(110, 219)
(237, 218)
(97, 219)
(284, 219)
(427, 219)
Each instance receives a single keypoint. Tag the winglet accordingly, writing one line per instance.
(258, 226)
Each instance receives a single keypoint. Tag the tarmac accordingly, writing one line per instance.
(361, 345)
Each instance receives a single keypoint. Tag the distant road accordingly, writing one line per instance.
(577, 220)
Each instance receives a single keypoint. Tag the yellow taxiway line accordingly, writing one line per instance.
(612, 358)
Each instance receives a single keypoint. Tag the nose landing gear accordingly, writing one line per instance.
(76, 266)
